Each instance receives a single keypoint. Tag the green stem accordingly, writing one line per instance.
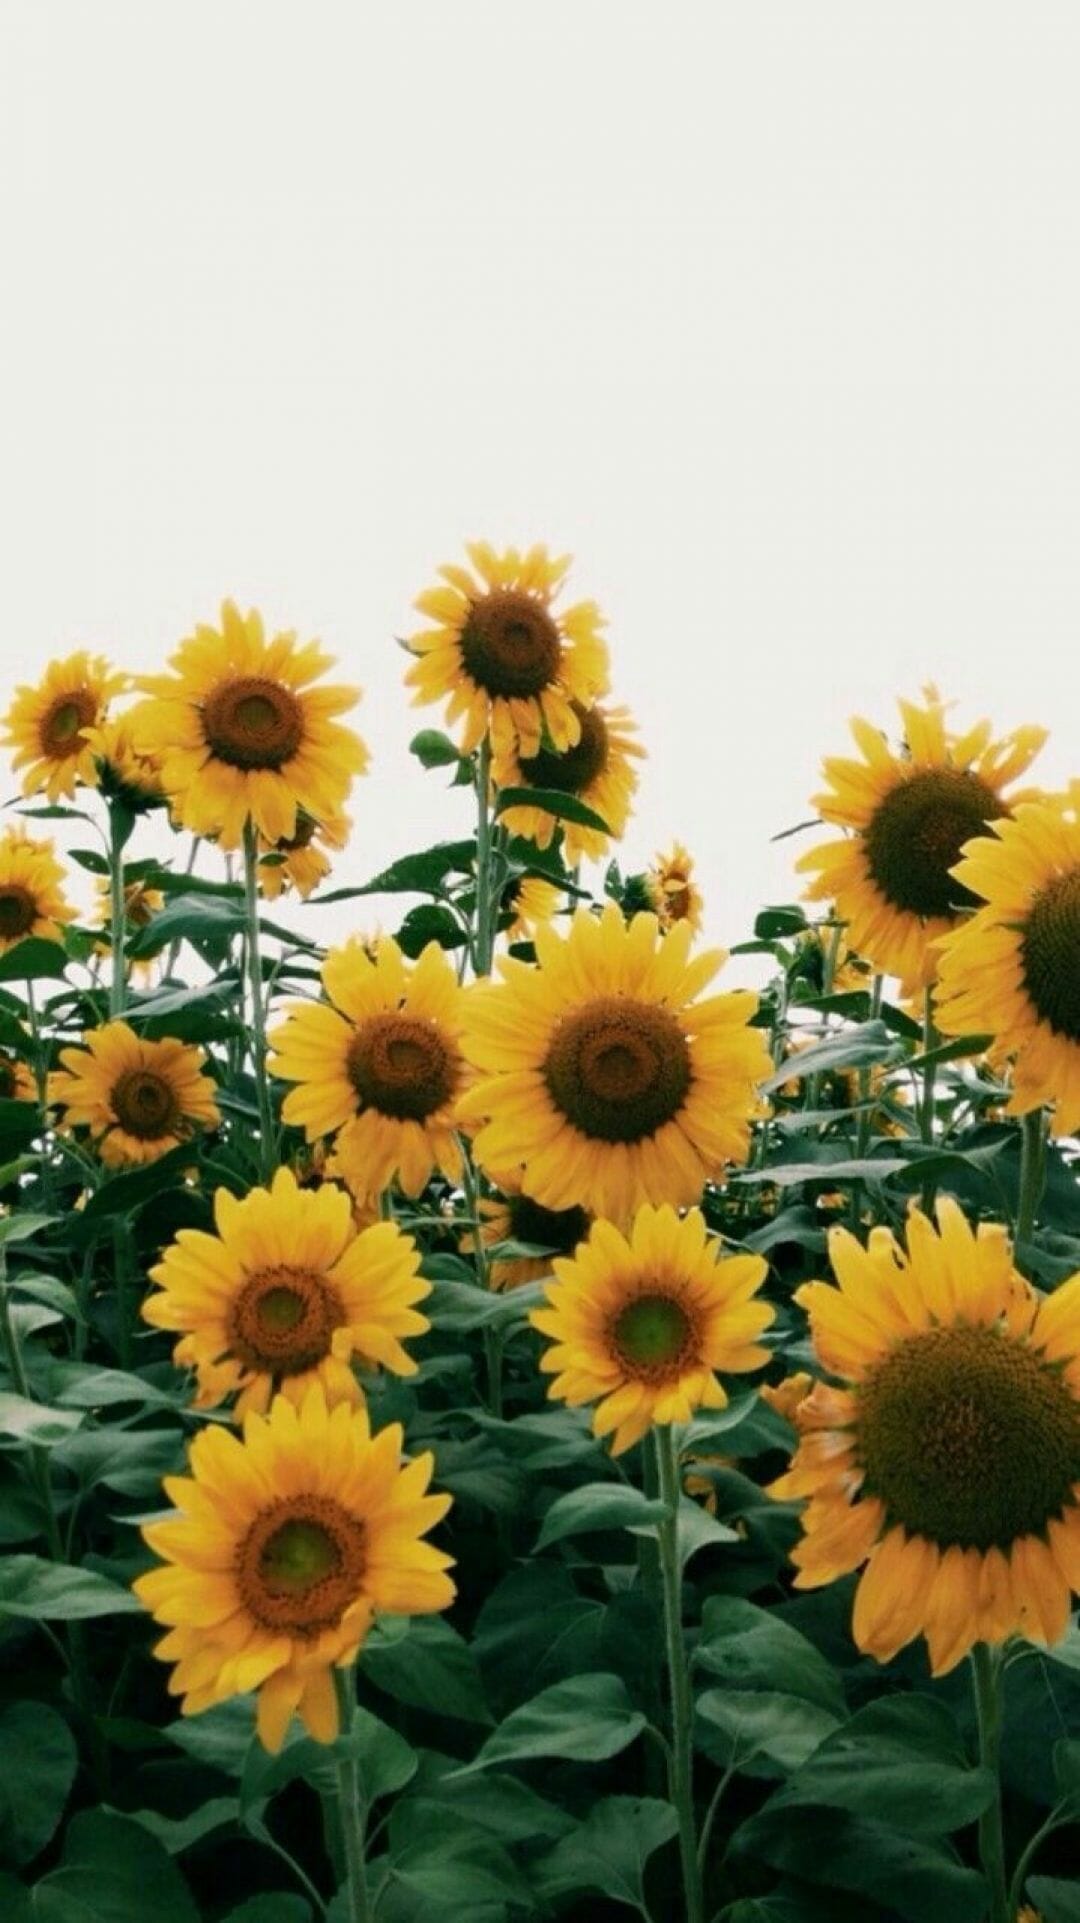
(681, 1782)
(1059, 1818)
(652, 1586)
(41, 1080)
(122, 1254)
(828, 976)
(267, 1149)
(493, 1348)
(986, 1675)
(350, 1816)
(1032, 1170)
(117, 917)
(39, 1456)
(926, 1106)
(865, 1116)
(486, 911)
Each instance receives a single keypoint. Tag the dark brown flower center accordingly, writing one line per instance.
(654, 1338)
(8, 1079)
(402, 1067)
(510, 644)
(968, 1438)
(618, 1069)
(283, 1321)
(917, 832)
(290, 844)
(557, 1229)
(1050, 951)
(575, 771)
(60, 728)
(253, 722)
(18, 911)
(145, 1105)
(301, 1564)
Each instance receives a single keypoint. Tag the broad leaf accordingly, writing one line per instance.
(585, 1719)
(113, 1872)
(759, 1731)
(745, 1647)
(40, 1759)
(551, 801)
(57, 1592)
(610, 1849)
(901, 1757)
(424, 1662)
(600, 1505)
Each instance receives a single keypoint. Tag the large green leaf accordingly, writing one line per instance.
(385, 1762)
(131, 1461)
(423, 1661)
(745, 1647)
(901, 1757)
(584, 1719)
(1055, 1900)
(113, 1872)
(449, 1865)
(600, 1505)
(57, 1592)
(551, 801)
(272, 1907)
(858, 1047)
(34, 960)
(915, 1877)
(221, 1738)
(35, 1422)
(761, 1732)
(433, 749)
(209, 922)
(39, 1762)
(421, 874)
(609, 1850)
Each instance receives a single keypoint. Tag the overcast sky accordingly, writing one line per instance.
(770, 314)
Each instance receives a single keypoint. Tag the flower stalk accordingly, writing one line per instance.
(1032, 1171)
(119, 829)
(267, 1156)
(350, 1815)
(987, 1674)
(680, 1772)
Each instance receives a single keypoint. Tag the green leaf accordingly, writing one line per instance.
(125, 1193)
(34, 960)
(422, 874)
(271, 1907)
(609, 1851)
(1067, 1768)
(761, 1732)
(33, 1422)
(221, 1738)
(424, 1662)
(386, 1762)
(113, 1872)
(131, 1461)
(40, 1759)
(585, 1719)
(552, 802)
(426, 924)
(461, 1306)
(433, 749)
(24, 1226)
(697, 1529)
(179, 1833)
(78, 1385)
(750, 1648)
(50, 1290)
(206, 921)
(58, 1592)
(16, 1901)
(1055, 1900)
(600, 1505)
(915, 1877)
(448, 1867)
(774, 924)
(856, 1047)
(902, 1756)
(509, 1809)
(785, 1174)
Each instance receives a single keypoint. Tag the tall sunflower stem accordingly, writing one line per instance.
(652, 1586)
(117, 914)
(987, 1676)
(350, 1815)
(267, 1148)
(1032, 1170)
(929, 1073)
(681, 1781)
(486, 908)
(41, 1081)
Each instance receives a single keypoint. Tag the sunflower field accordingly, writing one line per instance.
(499, 1421)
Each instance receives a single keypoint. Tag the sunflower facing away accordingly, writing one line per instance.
(46, 724)
(601, 1073)
(122, 774)
(505, 661)
(1011, 971)
(598, 770)
(909, 815)
(241, 734)
(285, 1293)
(949, 1463)
(284, 1547)
(138, 1098)
(514, 1217)
(32, 901)
(378, 1065)
(674, 893)
(529, 900)
(16, 1082)
(641, 1326)
(298, 862)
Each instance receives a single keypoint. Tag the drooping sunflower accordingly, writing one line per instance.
(949, 1463)
(283, 1548)
(641, 1325)
(123, 774)
(241, 734)
(141, 904)
(909, 814)
(597, 770)
(505, 660)
(17, 1084)
(46, 725)
(297, 861)
(378, 1065)
(138, 1098)
(601, 1073)
(673, 892)
(529, 900)
(1010, 971)
(32, 901)
(515, 1217)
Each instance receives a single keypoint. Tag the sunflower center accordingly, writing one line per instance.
(289, 844)
(557, 1229)
(1049, 950)
(145, 1104)
(252, 722)
(653, 1337)
(510, 644)
(283, 1321)
(968, 1438)
(7, 1079)
(573, 772)
(301, 1564)
(916, 835)
(618, 1069)
(18, 911)
(60, 731)
(401, 1067)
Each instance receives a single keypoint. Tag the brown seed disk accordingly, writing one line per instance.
(571, 773)
(510, 644)
(618, 1069)
(917, 833)
(145, 1105)
(253, 722)
(402, 1067)
(283, 1321)
(1049, 950)
(18, 911)
(301, 1564)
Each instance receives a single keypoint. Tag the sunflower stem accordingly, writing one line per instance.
(680, 1776)
(267, 1152)
(652, 1587)
(117, 910)
(986, 1676)
(484, 934)
(350, 1816)
(929, 1073)
(1032, 1170)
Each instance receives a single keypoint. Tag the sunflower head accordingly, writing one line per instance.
(949, 1460)
(32, 901)
(640, 1325)
(124, 776)
(138, 1099)
(17, 1084)
(47, 724)
(597, 770)
(517, 1218)
(673, 892)
(282, 1549)
(298, 861)
(527, 900)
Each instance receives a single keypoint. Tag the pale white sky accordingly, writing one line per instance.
(769, 314)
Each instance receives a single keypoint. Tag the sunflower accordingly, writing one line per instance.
(602, 1076)
(784, 1397)
(16, 1082)
(124, 775)
(1010, 970)
(909, 815)
(640, 1326)
(822, 957)
(46, 724)
(138, 1098)
(285, 1293)
(597, 770)
(510, 665)
(297, 862)
(241, 735)
(379, 1066)
(141, 904)
(529, 900)
(515, 1217)
(673, 892)
(32, 901)
(283, 1548)
(949, 1460)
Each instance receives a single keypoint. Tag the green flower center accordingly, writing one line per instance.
(916, 835)
(510, 645)
(1049, 951)
(653, 1338)
(60, 730)
(298, 1555)
(301, 1564)
(252, 722)
(282, 1322)
(618, 1069)
(576, 770)
(402, 1067)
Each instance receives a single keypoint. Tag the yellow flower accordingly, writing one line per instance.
(602, 1074)
(950, 1462)
(1028, 1915)
(285, 1293)
(596, 770)
(141, 904)
(302, 865)
(1010, 970)
(138, 1098)
(283, 1548)
(32, 901)
(640, 1327)
(673, 892)
(784, 1397)
(46, 724)
(241, 735)
(530, 900)
(123, 774)
(517, 1218)
(909, 815)
(16, 1082)
(813, 951)
(379, 1066)
(510, 665)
